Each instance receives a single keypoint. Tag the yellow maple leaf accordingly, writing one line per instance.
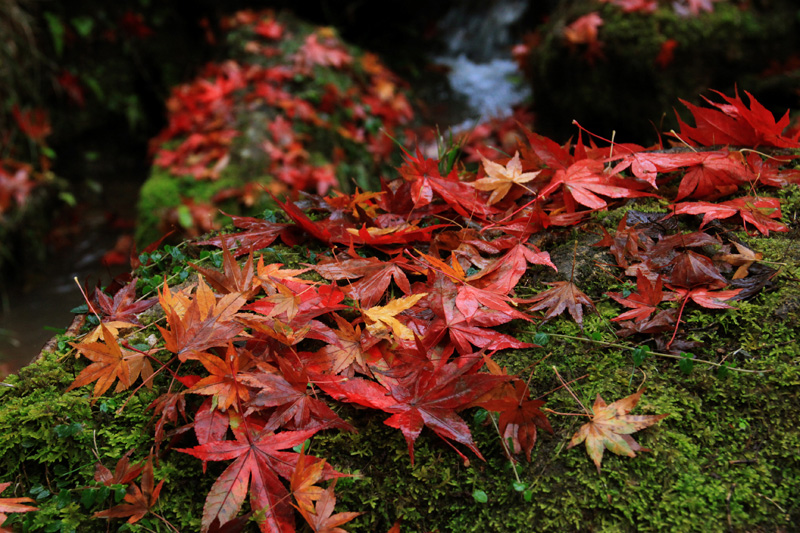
(380, 319)
(499, 178)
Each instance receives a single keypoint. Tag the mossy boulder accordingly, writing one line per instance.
(293, 108)
(725, 458)
(630, 74)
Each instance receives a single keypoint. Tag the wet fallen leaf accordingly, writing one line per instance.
(610, 428)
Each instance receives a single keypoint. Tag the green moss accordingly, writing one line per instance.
(626, 89)
(726, 454)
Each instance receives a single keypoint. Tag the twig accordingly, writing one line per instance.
(667, 355)
(561, 386)
(571, 393)
(773, 502)
(505, 447)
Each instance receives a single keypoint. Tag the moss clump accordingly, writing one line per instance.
(724, 459)
(628, 88)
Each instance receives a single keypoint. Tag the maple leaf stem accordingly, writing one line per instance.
(574, 255)
(507, 217)
(505, 447)
(155, 373)
(690, 147)
(86, 298)
(545, 409)
(166, 522)
(571, 391)
(561, 386)
(678, 321)
(609, 141)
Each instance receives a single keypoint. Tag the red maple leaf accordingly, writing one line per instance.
(258, 234)
(760, 212)
(733, 123)
(585, 179)
(465, 312)
(295, 402)
(327, 53)
(233, 278)
(519, 418)
(718, 174)
(643, 303)
(632, 6)
(375, 276)
(33, 122)
(503, 274)
(123, 474)
(258, 463)
(705, 297)
(138, 502)
(425, 179)
(429, 398)
(124, 306)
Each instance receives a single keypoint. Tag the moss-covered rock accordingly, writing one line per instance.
(632, 75)
(725, 459)
(293, 108)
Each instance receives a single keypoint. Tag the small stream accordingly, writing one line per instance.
(478, 55)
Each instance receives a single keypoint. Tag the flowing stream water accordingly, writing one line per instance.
(478, 43)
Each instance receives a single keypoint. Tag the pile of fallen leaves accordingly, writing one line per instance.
(292, 104)
(416, 280)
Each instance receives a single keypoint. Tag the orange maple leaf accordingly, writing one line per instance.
(109, 363)
(199, 323)
(12, 505)
(224, 383)
(304, 479)
(322, 519)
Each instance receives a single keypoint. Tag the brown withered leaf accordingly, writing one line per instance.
(690, 270)
(744, 259)
(610, 428)
(564, 295)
